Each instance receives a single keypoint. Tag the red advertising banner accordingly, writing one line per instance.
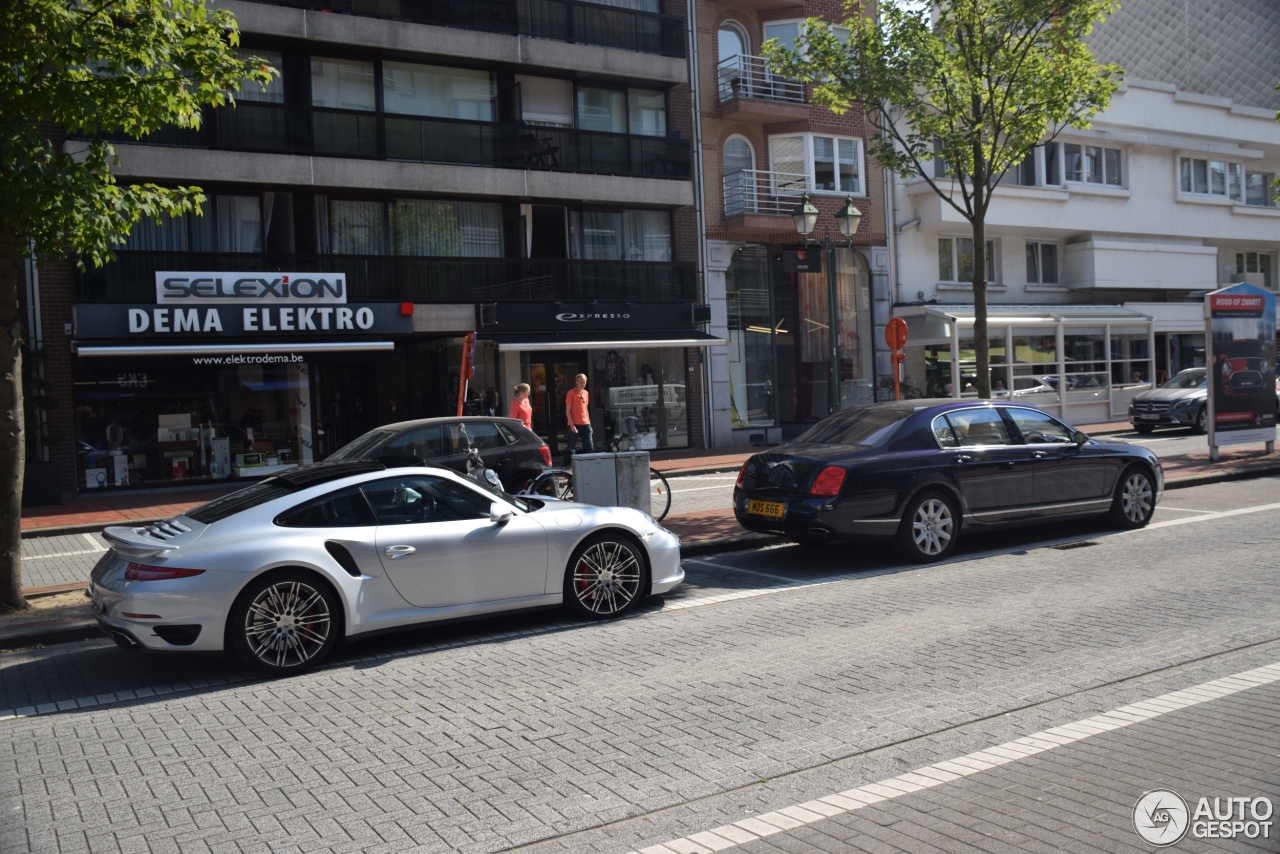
(1241, 333)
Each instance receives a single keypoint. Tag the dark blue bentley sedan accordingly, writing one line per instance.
(920, 471)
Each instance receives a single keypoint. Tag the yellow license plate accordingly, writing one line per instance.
(775, 509)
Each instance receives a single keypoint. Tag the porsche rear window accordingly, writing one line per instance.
(237, 502)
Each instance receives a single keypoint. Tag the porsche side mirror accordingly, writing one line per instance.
(498, 514)
(1080, 438)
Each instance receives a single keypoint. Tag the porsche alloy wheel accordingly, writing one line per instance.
(929, 528)
(605, 577)
(284, 623)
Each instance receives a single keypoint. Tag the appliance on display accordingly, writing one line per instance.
(95, 478)
(246, 460)
(180, 468)
(220, 457)
(119, 470)
(286, 455)
(174, 428)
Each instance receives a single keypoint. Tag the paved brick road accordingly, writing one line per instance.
(775, 665)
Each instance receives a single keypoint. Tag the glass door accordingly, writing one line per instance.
(551, 376)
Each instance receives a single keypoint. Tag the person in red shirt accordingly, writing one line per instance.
(521, 408)
(575, 413)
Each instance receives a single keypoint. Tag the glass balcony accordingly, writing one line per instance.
(285, 129)
(559, 20)
(374, 278)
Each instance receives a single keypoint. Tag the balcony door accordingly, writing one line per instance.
(548, 232)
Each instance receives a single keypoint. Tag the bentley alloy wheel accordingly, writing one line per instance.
(1135, 500)
(929, 528)
(605, 577)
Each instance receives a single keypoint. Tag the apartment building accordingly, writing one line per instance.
(520, 169)
(763, 147)
(1103, 242)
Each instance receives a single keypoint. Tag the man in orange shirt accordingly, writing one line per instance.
(575, 412)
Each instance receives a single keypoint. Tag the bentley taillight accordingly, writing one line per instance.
(828, 481)
(742, 473)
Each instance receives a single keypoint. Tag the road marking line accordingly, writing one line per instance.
(750, 829)
(783, 578)
(697, 489)
(1220, 514)
(64, 554)
(1186, 510)
(94, 545)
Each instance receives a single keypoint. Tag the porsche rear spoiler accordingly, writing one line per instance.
(166, 536)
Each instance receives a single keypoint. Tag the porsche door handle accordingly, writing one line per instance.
(397, 552)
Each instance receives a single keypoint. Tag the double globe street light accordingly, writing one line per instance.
(805, 217)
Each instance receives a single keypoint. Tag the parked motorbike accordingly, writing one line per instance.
(476, 470)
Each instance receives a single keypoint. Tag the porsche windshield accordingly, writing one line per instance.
(861, 425)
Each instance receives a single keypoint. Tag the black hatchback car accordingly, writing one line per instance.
(920, 471)
(508, 447)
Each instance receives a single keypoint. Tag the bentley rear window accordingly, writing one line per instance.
(861, 425)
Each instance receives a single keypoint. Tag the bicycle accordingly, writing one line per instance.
(558, 483)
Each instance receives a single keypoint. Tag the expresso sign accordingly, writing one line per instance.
(97, 321)
(574, 317)
(277, 288)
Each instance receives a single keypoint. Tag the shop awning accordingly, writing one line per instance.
(963, 314)
(600, 340)
(230, 349)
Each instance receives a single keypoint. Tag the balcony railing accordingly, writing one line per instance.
(559, 20)
(280, 128)
(131, 278)
(749, 77)
(754, 192)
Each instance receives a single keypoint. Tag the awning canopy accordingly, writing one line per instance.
(600, 340)
(964, 314)
(231, 349)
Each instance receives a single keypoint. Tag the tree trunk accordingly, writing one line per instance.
(981, 344)
(12, 440)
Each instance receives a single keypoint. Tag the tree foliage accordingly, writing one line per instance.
(88, 69)
(972, 83)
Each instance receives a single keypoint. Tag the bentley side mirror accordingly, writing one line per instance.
(1080, 438)
(498, 514)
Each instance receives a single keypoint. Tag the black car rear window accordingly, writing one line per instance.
(356, 448)
(861, 425)
(237, 502)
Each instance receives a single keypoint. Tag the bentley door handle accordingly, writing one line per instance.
(962, 458)
(1039, 455)
(397, 552)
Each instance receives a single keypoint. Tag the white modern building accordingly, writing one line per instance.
(1103, 243)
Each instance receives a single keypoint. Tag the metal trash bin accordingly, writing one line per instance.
(612, 480)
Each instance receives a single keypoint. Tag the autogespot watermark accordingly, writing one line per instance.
(1163, 818)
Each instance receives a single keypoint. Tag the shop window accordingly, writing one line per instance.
(640, 391)
(434, 90)
(955, 260)
(1084, 354)
(1091, 164)
(633, 235)
(251, 90)
(1042, 263)
(602, 110)
(356, 228)
(648, 112)
(546, 101)
(342, 84)
(751, 390)
(345, 508)
(446, 229)
(239, 223)
(926, 372)
(998, 359)
(1035, 365)
(1130, 357)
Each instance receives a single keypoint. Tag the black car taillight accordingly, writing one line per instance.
(546, 455)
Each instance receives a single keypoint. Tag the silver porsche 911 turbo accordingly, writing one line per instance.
(283, 571)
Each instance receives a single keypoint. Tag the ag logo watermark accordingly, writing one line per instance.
(1163, 818)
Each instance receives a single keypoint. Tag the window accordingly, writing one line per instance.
(446, 229)
(602, 110)
(273, 92)
(417, 499)
(342, 84)
(648, 112)
(634, 235)
(546, 101)
(1084, 350)
(786, 32)
(1040, 429)
(830, 164)
(356, 228)
(955, 260)
(978, 427)
(732, 42)
(738, 155)
(413, 447)
(1130, 357)
(1254, 262)
(432, 90)
(1042, 263)
(1092, 164)
(1257, 189)
(943, 433)
(239, 223)
(967, 357)
(237, 502)
(345, 508)
(1211, 178)
(480, 435)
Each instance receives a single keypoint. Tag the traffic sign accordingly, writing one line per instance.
(895, 333)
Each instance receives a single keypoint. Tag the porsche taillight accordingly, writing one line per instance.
(828, 481)
(141, 572)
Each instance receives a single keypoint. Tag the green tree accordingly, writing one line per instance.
(91, 68)
(967, 86)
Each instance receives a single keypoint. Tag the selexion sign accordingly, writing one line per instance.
(278, 288)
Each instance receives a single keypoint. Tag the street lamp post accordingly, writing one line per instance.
(805, 217)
